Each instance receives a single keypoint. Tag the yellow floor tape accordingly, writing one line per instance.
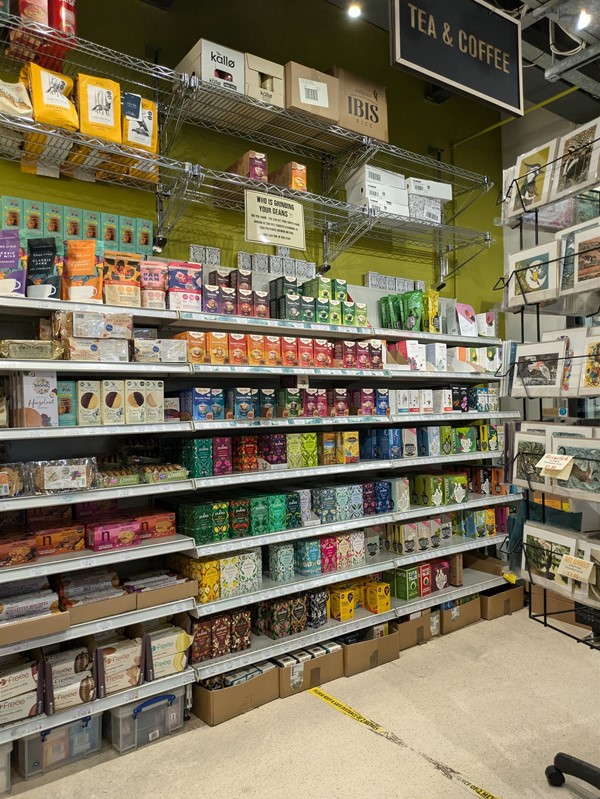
(450, 773)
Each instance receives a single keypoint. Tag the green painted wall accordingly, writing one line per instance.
(311, 32)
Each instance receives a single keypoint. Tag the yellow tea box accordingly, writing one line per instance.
(113, 401)
(142, 133)
(135, 401)
(210, 581)
(347, 447)
(88, 402)
(342, 605)
(377, 598)
(155, 401)
(99, 102)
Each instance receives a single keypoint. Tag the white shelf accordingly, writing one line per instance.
(107, 367)
(101, 625)
(227, 369)
(19, 433)
(271, 590)
(320, 530)
(164, 685)
(435, 338)
(23, 306)
(263, 648)
(87, 559)
(96, 495)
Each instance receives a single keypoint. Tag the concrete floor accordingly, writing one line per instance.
(494, 702)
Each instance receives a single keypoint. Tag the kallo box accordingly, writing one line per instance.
(215, 64)
(264, 80)
(363, 105)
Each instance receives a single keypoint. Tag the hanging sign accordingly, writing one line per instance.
(558, 467)
(466, 45)
(274, 220)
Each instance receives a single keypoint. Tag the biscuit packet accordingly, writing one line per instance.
(82, 273)
(69, 474)
(142, 133)
(14, 480)
(14, 100)
(122, 279)
(50, 96)
(99, 103)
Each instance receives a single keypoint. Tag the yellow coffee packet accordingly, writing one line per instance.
(142, 133)
(50, 95)
(99, 103)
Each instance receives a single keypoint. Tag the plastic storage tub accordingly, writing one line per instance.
(139, 723)
(5, 750)
(43, 751)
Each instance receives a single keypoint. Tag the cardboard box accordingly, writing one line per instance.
(311, 673)
(99, 610)
(460, 616)
(555, 603)
(414, 631)
(264, 80)
(367, 655)
(481, 563)
(363, 105)
(215, 64)
(34, 627)
(215, 707)
(171, 593)
(311, 92)
(501, 601)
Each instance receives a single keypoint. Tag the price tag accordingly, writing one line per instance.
(127, 555)
(575, 568)
(104, 625)
(39, 571)
(131, 696)
(556, 466)
(82, 712)
(28, 729)
(180, 607)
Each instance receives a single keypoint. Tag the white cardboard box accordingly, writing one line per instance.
(425, 209)
(375, 191)
(215, 64)
(430, 188)
(374, 174)
(384, 206)
(265, 80)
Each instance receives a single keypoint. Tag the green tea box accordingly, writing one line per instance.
(294, 450)
(455, 488)
(348, 314)
(308, 312)
(464, 440)
(407, 582)
(309, 450)
(230, 577)
(360, 314)
(289, 402)
(278, 623)
(277, 512)
(322, 310)
(293, 511)
(259, 515)
(339, 289)
(446, 440)
(239, 517)
(281, 562)
(424, 535)
(390, 578)
(429, 490)
(248, 572)
(335, 312)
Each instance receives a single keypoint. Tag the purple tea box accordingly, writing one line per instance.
(227, 300)
(369, 502)
(211, 299)
(322, 402)
(383, 496)
(309, 401)
(272, 451)
(363, 401)
(222, 455)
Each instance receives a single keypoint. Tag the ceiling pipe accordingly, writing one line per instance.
(586, 56)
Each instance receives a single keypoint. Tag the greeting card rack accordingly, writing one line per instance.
(563, 764)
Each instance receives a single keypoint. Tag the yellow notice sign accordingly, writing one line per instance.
(274, 220)
(556, 466)
(575, 568)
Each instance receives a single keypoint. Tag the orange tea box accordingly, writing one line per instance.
(238, 348)
(273, 350)
(289, 351)
(218, 347)
(256, 349)
(306, 353)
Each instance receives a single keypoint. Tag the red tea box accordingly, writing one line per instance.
(238, 348)
(338, 402)
(245, 453)
(424, 579)
(376, 353)
(256, 349)
(261, 304)
(363, 355)
(228, 301)
(306, 356)
(245, 303)
(322, 402)
(309, 400)
(344, 354)
(329, 561)
(222, 455)
(323, 352)
(273, 350)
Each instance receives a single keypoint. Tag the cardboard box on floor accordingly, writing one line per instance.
(310, 674)
(367, 655)
(460, 616)
(414, 631)
(215, 707)
(554, 603)
(501, 601)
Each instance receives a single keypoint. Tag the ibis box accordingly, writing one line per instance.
(215, 707)
(366, 655)
(311, 92)
(310, 673)
(215, 64)
(264, 80)
(363, 105)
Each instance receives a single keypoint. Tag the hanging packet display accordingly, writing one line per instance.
(82, 273)
(122, 279)
(50, 96)
(99, 103)
(142, 133)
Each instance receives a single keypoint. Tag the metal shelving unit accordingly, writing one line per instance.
(263, 648)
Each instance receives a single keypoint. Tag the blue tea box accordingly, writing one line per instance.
(242, 403)
(382, 401)
(217, 397)
(308, 557)
(383, 496)
(201, 403)
(368, 442)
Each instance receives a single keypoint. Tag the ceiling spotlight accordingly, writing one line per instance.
(583, 22)
(354, 10)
